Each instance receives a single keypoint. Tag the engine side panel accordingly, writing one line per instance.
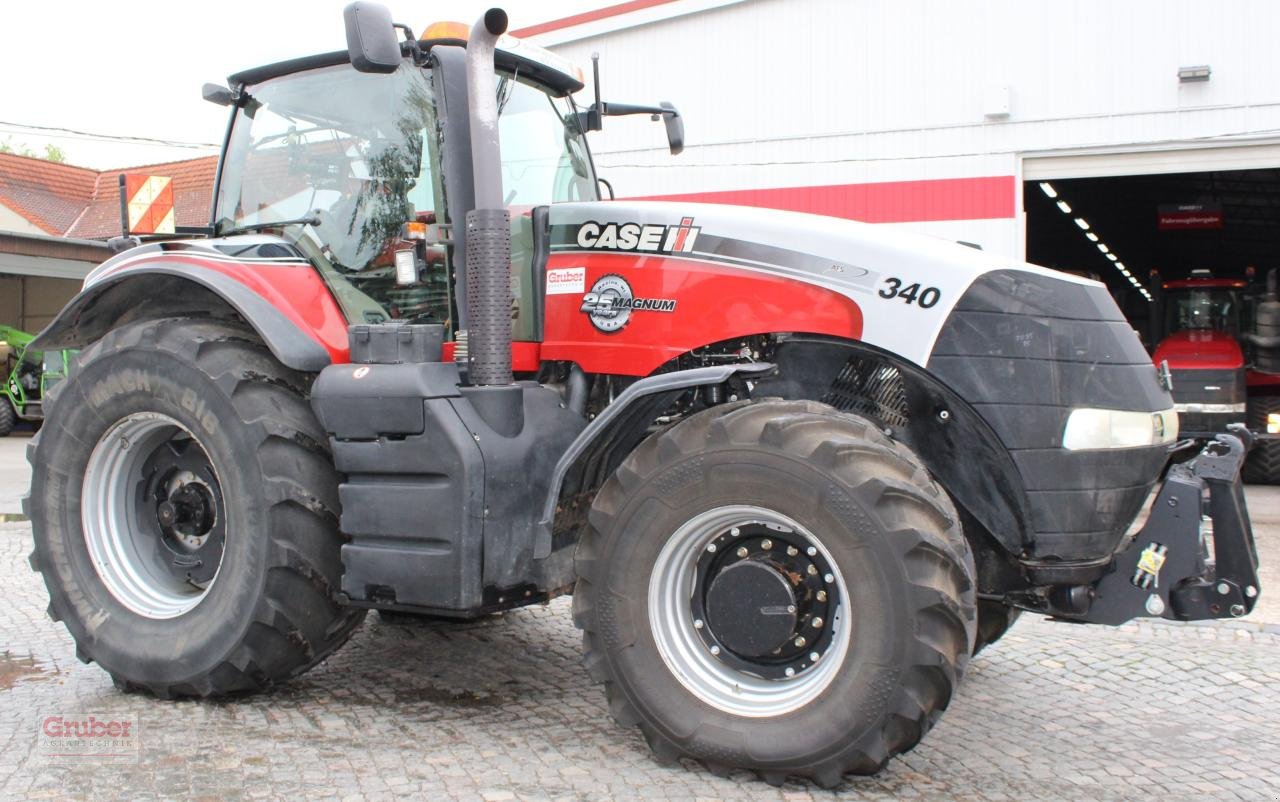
(728, 271)
(710, 303)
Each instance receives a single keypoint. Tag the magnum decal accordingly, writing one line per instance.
(638, 237)
(610, 303)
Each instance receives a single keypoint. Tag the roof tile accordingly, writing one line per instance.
(65, 200)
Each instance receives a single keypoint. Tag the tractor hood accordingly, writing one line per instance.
(905, 285)
(1200, 349)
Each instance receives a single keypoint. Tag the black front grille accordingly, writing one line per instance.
(1208, 386)
(872, 388)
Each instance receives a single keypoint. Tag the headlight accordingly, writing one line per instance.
(1114, 428)
(1273, 423)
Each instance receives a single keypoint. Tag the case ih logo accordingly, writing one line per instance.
(639, 237)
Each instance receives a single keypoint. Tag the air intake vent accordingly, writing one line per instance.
(870, 387)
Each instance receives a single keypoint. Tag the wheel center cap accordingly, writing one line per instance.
(751, 608)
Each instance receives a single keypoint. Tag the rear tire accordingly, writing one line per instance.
(8, 417)
(230, 587)
(899, 572)
(1262, 466)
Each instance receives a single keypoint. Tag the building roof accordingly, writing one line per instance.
(49, 195)
(69, 201)
(192, 193)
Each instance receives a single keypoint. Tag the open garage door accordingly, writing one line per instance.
(1087, 215)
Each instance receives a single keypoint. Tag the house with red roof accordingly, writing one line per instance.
(55, 220)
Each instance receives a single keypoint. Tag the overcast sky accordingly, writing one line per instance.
(135, 68)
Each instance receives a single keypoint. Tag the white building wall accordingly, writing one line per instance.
(801, 93)
(12, 221)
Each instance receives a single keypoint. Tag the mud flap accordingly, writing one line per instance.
(1186, 565)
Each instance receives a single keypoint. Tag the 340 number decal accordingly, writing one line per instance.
(924, 298)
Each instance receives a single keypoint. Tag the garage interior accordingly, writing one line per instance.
(1220, 220)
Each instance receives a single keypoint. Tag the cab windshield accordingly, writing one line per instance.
(356, 154)
(352, 151)
(1204, 310)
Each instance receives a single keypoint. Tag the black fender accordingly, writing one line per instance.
(957, 445)
(599, 448)
(167, 289)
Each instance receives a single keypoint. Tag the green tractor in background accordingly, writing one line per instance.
(27, 377)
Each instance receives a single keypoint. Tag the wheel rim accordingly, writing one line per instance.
(701, 659)
(153, 515)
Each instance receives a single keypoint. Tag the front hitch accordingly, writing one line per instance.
(1184, 564)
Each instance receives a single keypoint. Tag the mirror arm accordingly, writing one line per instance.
(626, 109)
(411, 40)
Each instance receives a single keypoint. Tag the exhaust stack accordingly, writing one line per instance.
(488, 225)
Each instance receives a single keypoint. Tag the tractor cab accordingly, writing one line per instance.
(366, 169)
(351, 167)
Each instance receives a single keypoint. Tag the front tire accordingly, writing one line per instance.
(8, 417)
(184, 504)
(812, 514)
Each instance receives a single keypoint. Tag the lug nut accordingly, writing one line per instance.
(790, 672)
(800, 642)
(812, 569)
(812, 550)
(828, 578)
(715, 650)
(791, 608)
(735, 531)
(1237, 610)
(814, 656)
(822, 595)
(792, 551)
(697, 623)
(1251, 591)
(766, 544)
(742, 551)
(817, 623)
(1223, 588)
(711, 547)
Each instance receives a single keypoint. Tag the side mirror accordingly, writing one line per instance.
(217, 93)
(675, 128)
(371, 38)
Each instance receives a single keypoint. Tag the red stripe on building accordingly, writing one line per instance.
(589, 16)
(981, 198)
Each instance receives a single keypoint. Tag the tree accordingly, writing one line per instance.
(52, 153)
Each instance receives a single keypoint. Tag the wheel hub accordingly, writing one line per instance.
(764, 600)
(751, 608)
(187, 514)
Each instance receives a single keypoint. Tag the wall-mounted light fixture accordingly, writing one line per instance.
(1189, 75)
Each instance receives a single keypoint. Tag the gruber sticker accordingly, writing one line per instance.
(639, 237)
(567, 281)
(610, 303)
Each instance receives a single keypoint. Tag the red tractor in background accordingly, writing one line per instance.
(1220, 338)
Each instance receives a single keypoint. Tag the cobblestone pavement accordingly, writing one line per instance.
(501, 709)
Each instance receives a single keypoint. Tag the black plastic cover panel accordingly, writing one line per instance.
(1025, 349)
